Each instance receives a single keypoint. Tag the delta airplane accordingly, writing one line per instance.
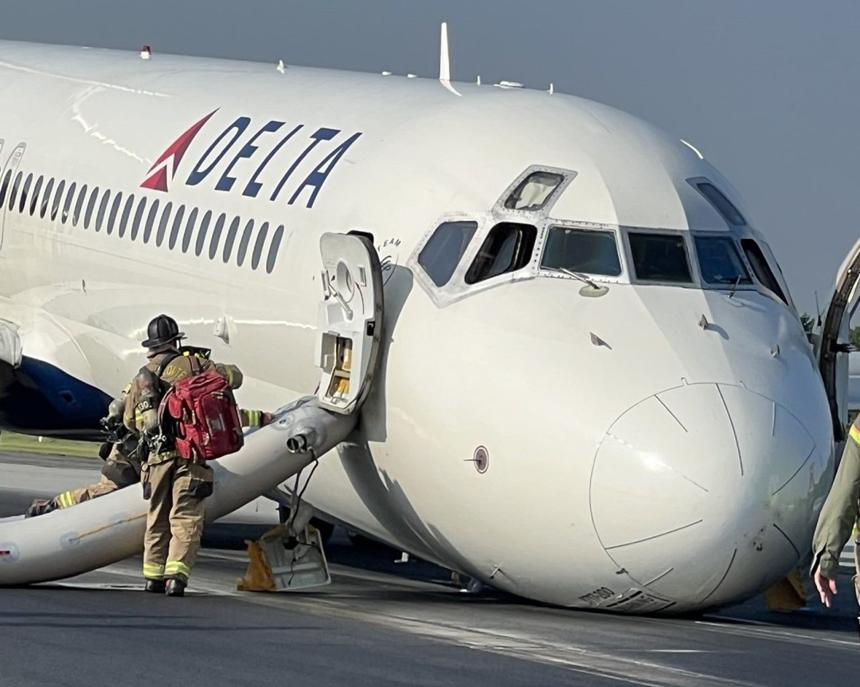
(588, 386)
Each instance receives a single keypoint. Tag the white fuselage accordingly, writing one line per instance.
(658, 447)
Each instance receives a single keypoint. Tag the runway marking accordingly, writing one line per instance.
(775, 634)
(525, 647)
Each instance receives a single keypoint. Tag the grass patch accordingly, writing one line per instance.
(20, 443)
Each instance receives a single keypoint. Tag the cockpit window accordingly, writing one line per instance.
(507, 248)
(720, 262)
(533, 192)
(581, 250)
(443, 251)
(660, 257)
(722, 204)
(760, 267)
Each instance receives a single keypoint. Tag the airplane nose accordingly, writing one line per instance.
(705, 492)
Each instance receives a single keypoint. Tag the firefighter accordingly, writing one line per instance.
(122, 465)
(174, 486)
(838, 517)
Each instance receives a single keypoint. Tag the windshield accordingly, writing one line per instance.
(660, 257)
(720, 262)
(581, 250)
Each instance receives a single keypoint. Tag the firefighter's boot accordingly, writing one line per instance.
(40, 507)
(154, 586)
(175, 587)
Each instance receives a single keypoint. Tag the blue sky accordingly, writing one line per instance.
(768, 90)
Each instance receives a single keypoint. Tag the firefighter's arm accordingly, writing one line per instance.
(840, 510)
(128, 409)
(254, 418)
(231, 373)
(143, 401)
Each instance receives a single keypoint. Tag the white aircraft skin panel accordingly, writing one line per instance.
(503, 365)
(509, 365)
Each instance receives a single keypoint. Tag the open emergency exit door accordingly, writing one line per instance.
(350, 320)
(833, 345)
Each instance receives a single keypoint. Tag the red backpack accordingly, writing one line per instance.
(205, 416)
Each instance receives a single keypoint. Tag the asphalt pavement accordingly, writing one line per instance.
(387, 623)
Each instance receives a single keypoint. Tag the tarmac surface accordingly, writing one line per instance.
(385, 623)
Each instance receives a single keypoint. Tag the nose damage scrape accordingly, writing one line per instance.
(703, 494)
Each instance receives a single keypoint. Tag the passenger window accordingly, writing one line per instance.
(114, 211)
(58, 199)
(25, 192)
(201, 234)
(507, 248)
(660, 257)
(79, 206)
(103, 208)
(67, 206)
(162, 225)
(5, 187)
(189, 230)
(46, 199)
(34, 200)
(274, 248)
(720, 262)
(138, 219)
(443, 251)
(582, 250)
(216, 236)
(258, 246)
(150, 221)
(533, 192)
(231, 239)
(14, 193)
(761, 268)
(126, 215)
(91, 206)
(177, 226)
(243, 244)
(721, 204)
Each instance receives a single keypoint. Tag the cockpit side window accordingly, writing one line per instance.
(443, 250)
(533, 192)
(507, 248)
(581, 250)
(660, 258)
(719, 261)
(761, 268)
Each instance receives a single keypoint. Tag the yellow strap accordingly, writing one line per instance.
(855, 433)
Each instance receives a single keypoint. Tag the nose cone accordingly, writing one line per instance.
(703, 494)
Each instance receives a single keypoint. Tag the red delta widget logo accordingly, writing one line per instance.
(275, 159)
